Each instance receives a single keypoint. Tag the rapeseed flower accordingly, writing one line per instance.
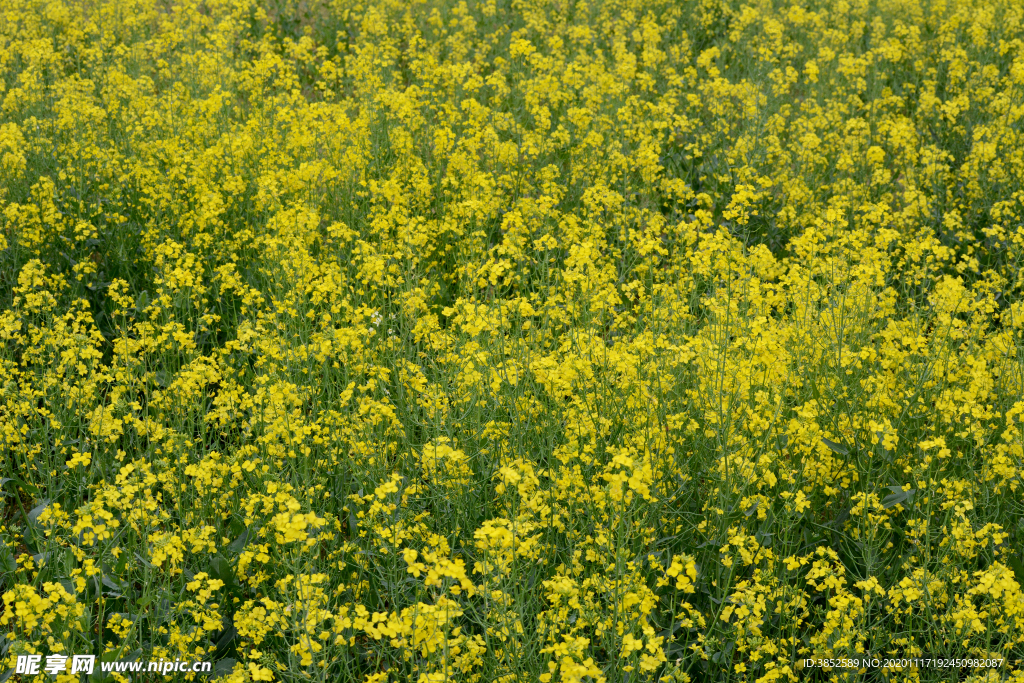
(593, 341)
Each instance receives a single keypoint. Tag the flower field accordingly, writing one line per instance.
(517, 340)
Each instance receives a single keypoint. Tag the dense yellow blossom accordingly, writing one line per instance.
(570, 341)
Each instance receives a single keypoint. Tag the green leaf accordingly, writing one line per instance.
(21, 483)
(8, 565)
(724, 656)
(836, 448)
(223, 668)
(238, 545)
(897, 497)
(141, 302)
(98, 674)
(117, 588)
(1018, 568)
(221, 570)
(34, 513)
(33, 532)
(840, 519)
(223, 643)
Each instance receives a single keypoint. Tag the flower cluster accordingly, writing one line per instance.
(513, 340)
